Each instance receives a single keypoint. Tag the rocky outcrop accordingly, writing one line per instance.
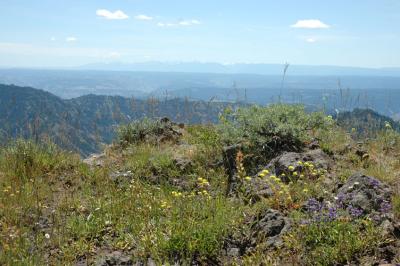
(95, 160)
(114, 258)
(367, 194)
(266, 228)
(280, 165)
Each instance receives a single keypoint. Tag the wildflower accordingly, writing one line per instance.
(295, 173)
(291, 168)
(247, 178)
(107, 222)
(47, 236)
(332, 213)
(313, 205)
(385, 206)
(387, 125)
(301, 176)
(375, 183)
(261, 174)
(314, 173)
(305, 190)
(354, 211)
(300, 163)
(176, 194)
(265, 171)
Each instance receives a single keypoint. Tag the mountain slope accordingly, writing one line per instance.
(83, 124)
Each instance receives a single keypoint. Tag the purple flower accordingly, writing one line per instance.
(354, 211)
(332, 214)
(375, 183)
(314, 205)
(385, 206)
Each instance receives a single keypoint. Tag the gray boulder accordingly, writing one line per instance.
(266, 229)
(114, 258)
(367, 194)
(280, 165)
(269, 225)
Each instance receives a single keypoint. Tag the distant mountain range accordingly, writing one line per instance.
(242, 68)
(83, 124)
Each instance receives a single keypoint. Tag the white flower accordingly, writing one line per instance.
(47, 236)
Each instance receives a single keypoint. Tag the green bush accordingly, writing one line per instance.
(136, 131)
(266, 131)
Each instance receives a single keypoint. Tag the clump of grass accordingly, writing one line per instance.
(334, 242)
(27, 172)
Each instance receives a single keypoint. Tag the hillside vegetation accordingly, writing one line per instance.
(265, 186)
(86, 123)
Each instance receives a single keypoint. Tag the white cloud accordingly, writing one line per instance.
(183, 23)
(111, 15)
(189, 22)
(71, 39)
(53, 39)
(143, 17)
(310, 24)
(311, 40)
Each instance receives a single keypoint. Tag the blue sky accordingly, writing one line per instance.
(63, 33)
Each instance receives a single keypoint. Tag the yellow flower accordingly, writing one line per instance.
(291, 168)
(305, 190)
(300, 163)
(247, 178)
(295, 174)
(265, 171)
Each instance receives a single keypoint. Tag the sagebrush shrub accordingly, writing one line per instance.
(265, 132)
